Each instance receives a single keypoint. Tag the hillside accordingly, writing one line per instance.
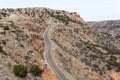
(80, 51)
(21, 38)
(110, 26)
(86, 53)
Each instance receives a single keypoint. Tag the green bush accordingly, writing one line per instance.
(36, 71)
(20, 71)
(6, 27)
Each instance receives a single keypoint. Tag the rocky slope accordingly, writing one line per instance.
(80, 51)
(21, 41)
(110, 26)
(86, 53)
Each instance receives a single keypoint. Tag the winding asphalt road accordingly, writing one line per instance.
(48, 56)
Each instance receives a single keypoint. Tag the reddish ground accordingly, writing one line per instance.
(114, 74)
(49, 75)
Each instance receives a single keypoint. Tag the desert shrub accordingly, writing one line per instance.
(113, 58)
(4, 42)
(36, 71)
(111, 51)
(4, 14)
(94, 56)
(2, 51)
(109, 67)
(113, 64)
(6, 27)
(20, 71)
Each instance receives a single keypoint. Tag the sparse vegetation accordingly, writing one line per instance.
(112, 63)
(20, 71)
(111, 51)
(4, 42)
(6, 27)
(64, 18)
(21, 37)
(109, 67)
(92, 47)
(2, 51)
(113, 58)
(94, 56)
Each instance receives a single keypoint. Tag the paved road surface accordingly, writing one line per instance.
(49, 59)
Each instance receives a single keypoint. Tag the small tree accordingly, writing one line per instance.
(20, 71)
(36, 71)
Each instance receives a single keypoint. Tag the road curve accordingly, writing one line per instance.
(48, 56)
